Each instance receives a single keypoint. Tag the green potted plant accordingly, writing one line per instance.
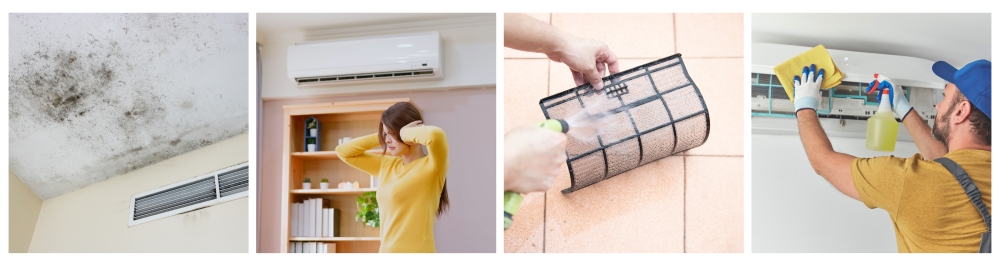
(324, 184)
(312, 128)
(311, 144)
(307, 184)
(367, 209)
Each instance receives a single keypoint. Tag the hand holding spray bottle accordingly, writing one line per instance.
(882, 127)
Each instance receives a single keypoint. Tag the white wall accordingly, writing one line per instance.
(956, 38)
(796, 210)
(469, 59)
(24, 208)
(95, 218)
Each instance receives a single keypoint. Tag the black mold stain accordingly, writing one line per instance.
(59, 83)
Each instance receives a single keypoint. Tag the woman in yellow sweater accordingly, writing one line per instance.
(412, 188)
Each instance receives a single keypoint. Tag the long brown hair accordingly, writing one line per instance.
(394, 118)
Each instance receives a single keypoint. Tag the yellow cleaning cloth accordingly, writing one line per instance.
(787, 70)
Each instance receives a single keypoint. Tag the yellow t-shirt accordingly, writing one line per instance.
(928, 207)
(407, 194)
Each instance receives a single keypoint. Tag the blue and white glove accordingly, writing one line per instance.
(806, 94)
(900, 106)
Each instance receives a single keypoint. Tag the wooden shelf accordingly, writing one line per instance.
(333, 239)
(339, 119)
(334, 191)
(324, 154)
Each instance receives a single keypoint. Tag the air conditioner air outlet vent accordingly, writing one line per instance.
(365, 76)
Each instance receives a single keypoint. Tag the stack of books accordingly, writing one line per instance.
(314, 218)
(312, 247)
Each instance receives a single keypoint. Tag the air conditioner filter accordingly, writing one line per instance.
(658, 111)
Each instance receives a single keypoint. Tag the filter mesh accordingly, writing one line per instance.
(657, 111)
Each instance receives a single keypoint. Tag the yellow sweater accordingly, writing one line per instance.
(407, 194)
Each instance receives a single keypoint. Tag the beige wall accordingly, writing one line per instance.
(95, 218)
(24, 208)
(468, 117)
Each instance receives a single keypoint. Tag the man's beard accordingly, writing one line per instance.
(942, 130)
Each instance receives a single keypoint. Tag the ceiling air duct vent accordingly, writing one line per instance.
(195, 193)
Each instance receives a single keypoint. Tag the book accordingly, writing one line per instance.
(326, 220)
(318, 210)
(318, 222)
(295, 220)
(298, 222)
(335, 223)
(309, 218)
(312, 218)
(302, 218)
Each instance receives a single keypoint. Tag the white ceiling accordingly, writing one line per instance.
(956, 38)
(269, 24)
(95, 96)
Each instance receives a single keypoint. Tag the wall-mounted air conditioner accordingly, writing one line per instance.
(416, 56)
(844, 109)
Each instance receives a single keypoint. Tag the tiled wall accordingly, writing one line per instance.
(689, 202)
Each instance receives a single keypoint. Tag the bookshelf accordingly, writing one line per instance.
(339, 119)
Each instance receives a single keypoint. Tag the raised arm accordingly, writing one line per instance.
(833, 166)
(353, 153)
(929, 147)
(432, 137)
(587, 59)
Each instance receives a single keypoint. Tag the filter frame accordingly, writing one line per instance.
(612, 83)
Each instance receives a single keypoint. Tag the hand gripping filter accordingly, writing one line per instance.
(657, 110)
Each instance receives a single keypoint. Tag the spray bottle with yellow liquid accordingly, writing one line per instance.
(882, 127)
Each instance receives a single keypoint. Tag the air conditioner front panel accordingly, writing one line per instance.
(364, 58)
(856, 66)
(389, 50)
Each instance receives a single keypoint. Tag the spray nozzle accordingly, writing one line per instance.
(874, 88)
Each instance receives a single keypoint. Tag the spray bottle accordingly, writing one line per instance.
(882, 127)
(512, 200)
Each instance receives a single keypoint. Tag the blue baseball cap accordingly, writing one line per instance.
(973, 80)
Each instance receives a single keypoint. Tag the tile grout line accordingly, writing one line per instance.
(545, 199)
(548, 78)
(545, 210)
(674, 18)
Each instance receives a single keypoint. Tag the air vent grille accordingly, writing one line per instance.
(234, 182)
(175, 198)
(199, 192)
(365, 76)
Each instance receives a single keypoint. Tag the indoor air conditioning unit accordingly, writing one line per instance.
(415, 56)
(844, 109)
